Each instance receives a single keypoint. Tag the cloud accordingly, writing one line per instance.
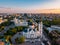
(40, 8)
(19, 10)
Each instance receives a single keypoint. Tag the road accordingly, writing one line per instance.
(30, 43)
(46, 37)
(17, 35)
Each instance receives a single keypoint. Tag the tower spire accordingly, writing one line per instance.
(40, 28)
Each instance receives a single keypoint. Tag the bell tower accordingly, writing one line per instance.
(40, 28)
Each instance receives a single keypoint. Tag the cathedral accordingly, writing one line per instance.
(33, 33)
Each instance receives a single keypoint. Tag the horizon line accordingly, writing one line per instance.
(20, 10)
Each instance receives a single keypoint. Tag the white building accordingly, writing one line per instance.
(19, 22)
(2, 20)
(33, 33)
(53, 27)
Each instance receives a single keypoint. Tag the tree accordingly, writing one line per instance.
(1, 37)
(2, 28)
(7, 23)
(47, 23)
(9, 32)
(7, 37)
(14, 30)
(20, 28)
(56, 22)
(20, 40)
(17, 40)
(37, 21)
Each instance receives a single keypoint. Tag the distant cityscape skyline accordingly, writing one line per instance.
(38, 6)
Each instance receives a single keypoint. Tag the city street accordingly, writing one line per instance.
(30, 43)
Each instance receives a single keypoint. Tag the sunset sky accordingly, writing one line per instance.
(28, 5)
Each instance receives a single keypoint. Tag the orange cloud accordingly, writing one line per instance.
(19, 10)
